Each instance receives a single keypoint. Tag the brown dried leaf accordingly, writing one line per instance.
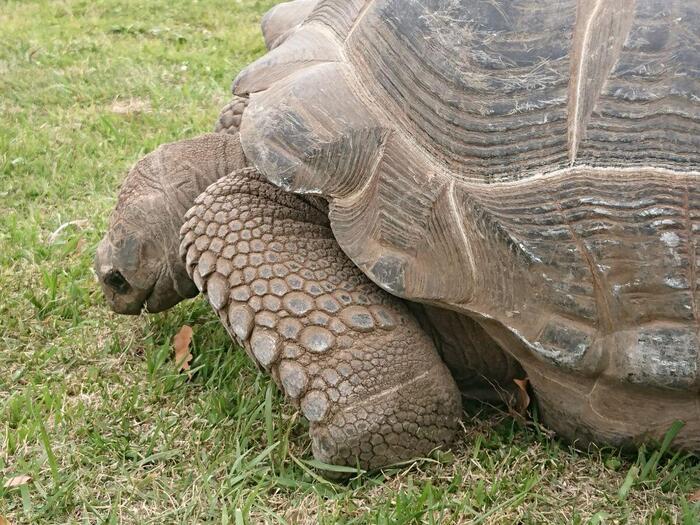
(4, 521)
(181, 344)
(523, 398)
(17, 481)
(694, 497)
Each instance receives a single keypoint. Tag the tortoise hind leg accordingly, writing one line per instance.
(351, 356)
(482, 369)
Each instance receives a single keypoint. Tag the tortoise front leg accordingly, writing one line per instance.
(351, 356)
(229, 120)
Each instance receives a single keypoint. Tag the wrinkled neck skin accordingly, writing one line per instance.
(138, 262)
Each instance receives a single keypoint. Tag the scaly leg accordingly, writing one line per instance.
(352, 357)
(229, 121)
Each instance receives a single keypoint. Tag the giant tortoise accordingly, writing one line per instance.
(413, 201)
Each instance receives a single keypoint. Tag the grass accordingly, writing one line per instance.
(91, 405)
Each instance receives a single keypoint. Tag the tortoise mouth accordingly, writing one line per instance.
(170, 287)
(154, 300)
(155, 303)
(124, 299)
(133, 309)
(121, 294)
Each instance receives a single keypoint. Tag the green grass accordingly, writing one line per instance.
(91, 404)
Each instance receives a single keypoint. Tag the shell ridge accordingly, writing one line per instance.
(583, 95)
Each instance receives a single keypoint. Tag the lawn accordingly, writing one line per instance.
(96, 423)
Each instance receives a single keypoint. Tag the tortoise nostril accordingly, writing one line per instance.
(115, 280)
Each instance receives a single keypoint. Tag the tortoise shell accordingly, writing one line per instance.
(531, 163)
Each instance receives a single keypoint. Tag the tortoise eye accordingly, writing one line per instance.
(115, 280)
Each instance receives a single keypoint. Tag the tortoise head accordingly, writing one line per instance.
(137, 262)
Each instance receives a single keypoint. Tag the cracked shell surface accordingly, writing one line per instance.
(559, 205)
